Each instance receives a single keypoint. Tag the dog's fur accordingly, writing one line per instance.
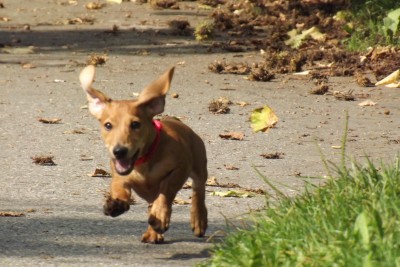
(128, 132)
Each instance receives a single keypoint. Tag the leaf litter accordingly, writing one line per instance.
(296, 35)
(50, 121)
(220, 106)
(98, 172)
(234, 190)
(43, 160)
(232, 136)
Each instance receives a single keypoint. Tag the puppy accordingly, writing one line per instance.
(154, 158)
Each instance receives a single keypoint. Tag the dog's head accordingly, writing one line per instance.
(126, 125)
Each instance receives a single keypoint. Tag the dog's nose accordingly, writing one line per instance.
(120, 152)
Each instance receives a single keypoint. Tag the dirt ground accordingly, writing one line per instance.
(57, 208)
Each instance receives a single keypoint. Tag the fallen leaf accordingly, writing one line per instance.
(262, 119)
(44, 160)
(220, 106)
(302, 73)
(242, 104)
(232, 136)
(212, 181)
(231, 167)
(86, 158)
(296, 39)
(50, 121)
(85, 20)
(94, 5)
(11, 214)
(260, 74)
(96, 60)
(5, 19)
(187, 185)
(229, 68)
(363, 80)
(367, 103)
(100, 173)
(276, 155)
(320, 89)
(233, 193)
(18, 50)
(347, 96)
(392, 80)
(115, 1)
(28, 66)
(179, 201)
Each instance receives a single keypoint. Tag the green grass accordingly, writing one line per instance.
(353, 220)
(368, 29)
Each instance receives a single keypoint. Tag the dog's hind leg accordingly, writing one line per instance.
(198, 213)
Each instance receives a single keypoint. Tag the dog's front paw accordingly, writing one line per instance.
(115, 207)
(152, 237)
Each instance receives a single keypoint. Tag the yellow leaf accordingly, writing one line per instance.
(232, 193)
(296, 39)
(393, 80)
(262, 119)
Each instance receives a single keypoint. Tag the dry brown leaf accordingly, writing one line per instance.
(220, 106)
(276, 155)
(347, 96)
(50, 121)
(96, 60)
(320, 89)
(179, 201)
(100, 173)
(232, 136)
(229, 68)
(212, 181)
(363, 80)
(85, 20)
(231, 167)
(11, 214)
(28, 66)
(44, 160)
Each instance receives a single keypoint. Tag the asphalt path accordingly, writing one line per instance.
(58, 209)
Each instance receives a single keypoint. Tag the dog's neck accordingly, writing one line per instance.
(153, 147)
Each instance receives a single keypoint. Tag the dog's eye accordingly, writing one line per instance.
(135, 125)
(108, 126)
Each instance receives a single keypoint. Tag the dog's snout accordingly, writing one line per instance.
(120, 152)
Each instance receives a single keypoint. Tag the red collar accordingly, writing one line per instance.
(154, 145)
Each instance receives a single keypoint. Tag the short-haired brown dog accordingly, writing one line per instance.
(154, 158)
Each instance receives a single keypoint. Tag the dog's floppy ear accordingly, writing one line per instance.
(97, 100)
(153, 97)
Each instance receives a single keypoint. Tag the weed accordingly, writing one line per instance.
(353, 220)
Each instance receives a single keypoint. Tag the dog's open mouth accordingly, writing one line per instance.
(125, 166)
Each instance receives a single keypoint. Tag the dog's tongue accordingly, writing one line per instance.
(123, 166)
